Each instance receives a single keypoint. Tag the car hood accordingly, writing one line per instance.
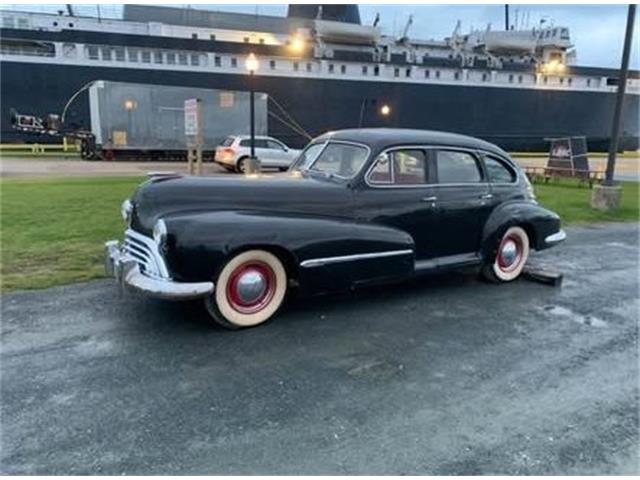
(290, 193)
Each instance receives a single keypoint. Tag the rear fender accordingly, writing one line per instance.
(537, 221)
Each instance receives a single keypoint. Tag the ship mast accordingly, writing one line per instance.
(506, 17)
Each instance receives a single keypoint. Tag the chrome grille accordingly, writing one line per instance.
(145, 252)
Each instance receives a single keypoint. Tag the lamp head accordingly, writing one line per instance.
(251, 63)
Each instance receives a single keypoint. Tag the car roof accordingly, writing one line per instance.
(246, 137)
(380, 138)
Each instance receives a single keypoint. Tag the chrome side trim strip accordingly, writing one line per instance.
(556, 238)
(316, 262)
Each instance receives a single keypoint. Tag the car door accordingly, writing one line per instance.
(278, 152)
(398, 194)
(262, 152)
(464, 201)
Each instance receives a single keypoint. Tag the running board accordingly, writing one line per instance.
(446, 263)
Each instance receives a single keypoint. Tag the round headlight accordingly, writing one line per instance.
(159, 232)
(126, 209)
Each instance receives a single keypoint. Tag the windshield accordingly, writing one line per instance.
(333, 159)
(309, 154)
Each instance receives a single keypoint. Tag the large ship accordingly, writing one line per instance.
(323, 69)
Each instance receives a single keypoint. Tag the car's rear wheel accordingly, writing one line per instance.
(249, 290)
(241, 166)
(511, 257)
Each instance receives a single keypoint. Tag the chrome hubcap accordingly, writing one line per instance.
(509, 253)
(251, 286)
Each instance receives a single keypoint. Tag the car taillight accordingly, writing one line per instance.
(226, 153)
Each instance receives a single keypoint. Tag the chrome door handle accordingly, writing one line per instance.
(429, 199)
(486, 196)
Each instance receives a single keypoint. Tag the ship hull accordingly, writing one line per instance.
(517, 119)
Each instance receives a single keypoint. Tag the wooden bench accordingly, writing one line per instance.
(548, 173)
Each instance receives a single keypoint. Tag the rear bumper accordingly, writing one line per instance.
(556, 238)
(127, 272)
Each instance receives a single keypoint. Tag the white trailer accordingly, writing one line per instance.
(142, 121)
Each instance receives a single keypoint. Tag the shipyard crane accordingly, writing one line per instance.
(404, 37)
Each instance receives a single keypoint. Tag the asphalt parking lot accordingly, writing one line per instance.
(446, 375)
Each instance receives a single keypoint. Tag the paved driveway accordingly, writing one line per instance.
(442, 376)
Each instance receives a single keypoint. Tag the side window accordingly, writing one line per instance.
(380, 174)
(400, 167)
(409, 167)
(258, 143)
(457, 167)
(497, 171)
(274, 145)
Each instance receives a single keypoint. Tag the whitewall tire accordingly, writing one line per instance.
(249, 290)
(511, 257)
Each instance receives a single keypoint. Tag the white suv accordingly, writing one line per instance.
(233, 153)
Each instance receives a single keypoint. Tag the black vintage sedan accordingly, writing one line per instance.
(358, 207)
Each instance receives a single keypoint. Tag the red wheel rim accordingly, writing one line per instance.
(251, 287)
(509, 253)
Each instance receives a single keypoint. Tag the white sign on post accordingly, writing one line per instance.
(191, 127)
(193, 132)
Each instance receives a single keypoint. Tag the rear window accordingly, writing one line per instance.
(457, 167)
(228, 141)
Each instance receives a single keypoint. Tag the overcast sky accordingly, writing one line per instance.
(597, 31)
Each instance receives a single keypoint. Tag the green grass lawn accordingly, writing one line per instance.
(571, 201)
(53, 230)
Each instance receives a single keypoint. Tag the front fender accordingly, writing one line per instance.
(200, 243)
(537, 221)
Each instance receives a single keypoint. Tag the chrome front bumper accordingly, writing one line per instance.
(126, 270)
(555, 239)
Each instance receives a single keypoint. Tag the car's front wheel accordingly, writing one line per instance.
(249, 290)
(511, 257)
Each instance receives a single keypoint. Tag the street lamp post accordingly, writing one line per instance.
(252, 65)
(129, 106)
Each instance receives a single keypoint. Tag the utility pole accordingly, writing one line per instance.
(622, 86)
(607, 197)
